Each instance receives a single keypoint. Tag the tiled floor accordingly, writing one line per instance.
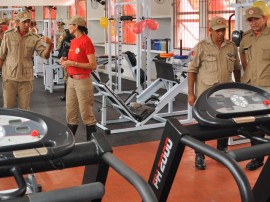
(211, 185)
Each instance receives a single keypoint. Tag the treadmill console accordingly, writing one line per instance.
(232, 104)
(27, 135)
(16, 130)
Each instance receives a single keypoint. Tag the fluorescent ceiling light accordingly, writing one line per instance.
(36, 2)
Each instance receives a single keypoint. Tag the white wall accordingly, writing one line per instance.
(62, 12)
(165, 9)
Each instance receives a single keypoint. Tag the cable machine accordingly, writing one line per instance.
(142, 12)
(53, 72)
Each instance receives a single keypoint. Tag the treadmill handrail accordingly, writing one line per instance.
(86, 192)
(238, 174)
(247, 153)
(15, 171)
(136, 180)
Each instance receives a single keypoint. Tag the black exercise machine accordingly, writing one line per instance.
(222, 111)
(31, 142)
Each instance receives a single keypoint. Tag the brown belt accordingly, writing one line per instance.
(79, 76)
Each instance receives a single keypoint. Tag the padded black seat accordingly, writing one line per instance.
(135, 110)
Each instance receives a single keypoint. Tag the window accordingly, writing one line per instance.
(82, 8)
(49, 12)
(128, 36)
(78, 8)
(187, 19)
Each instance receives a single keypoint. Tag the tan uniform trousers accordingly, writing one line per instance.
(14, 91)
(80, 98)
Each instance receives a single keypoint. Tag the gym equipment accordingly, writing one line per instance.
(132, 63)
(23, 129)
(143, 11)
(166, 77)
(226, 105)
(30, 141)
(130, 57)
(237, 37)
(53, 74)
(221, 111)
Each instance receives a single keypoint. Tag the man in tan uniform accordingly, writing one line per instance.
(61, 34)
(255, 58)
(2, 30)
(213, 61)
(16, 61)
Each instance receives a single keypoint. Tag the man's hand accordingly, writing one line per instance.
(191, 99)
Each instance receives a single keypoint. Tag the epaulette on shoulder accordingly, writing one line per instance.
(33, 34)
(201, 42)
(247, 32)
(9, 30)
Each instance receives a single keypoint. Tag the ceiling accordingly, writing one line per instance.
(36, 2)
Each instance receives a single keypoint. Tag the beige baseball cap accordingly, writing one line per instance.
(254, 12)
(23, 15)
(218, 23)
(77, 20)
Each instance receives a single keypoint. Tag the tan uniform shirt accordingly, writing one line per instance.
(17, 54)
(61, 36)
(257, 50)
(213, 65)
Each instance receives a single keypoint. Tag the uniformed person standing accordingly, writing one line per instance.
(2, 29)
(61, 34)
(213, 61)
(16, 61)
(255, 58)
(81, 61)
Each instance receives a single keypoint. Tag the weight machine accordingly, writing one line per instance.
(142, 11)
(166, 77)
(53, 74)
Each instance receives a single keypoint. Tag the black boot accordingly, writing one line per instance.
(63, 98)
(89, 130)
(256, 162)
(199, 161)
(73, 128)
(222, 144)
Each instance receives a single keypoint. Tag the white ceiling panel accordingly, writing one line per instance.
(36, 2)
